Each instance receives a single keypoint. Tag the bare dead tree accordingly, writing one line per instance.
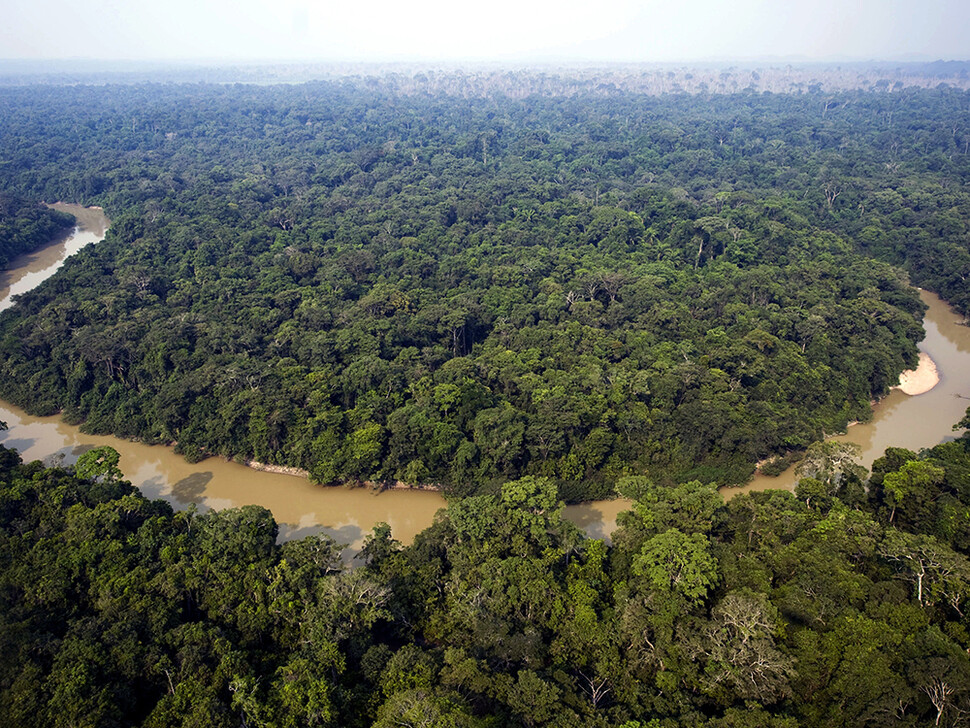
(939, 692)
(832, 191)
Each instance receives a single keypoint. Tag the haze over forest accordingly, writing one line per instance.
(503, 31)
(525, 253)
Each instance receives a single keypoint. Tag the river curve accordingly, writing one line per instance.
(300, 507)
(902, 420)
(348, 514)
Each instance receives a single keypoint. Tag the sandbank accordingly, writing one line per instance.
(921, 379)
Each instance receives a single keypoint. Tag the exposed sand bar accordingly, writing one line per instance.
(91, 219)
(902, 420)
(921, 379)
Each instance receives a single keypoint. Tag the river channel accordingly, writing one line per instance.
(901, 420)
(349, 514)
(300, 508)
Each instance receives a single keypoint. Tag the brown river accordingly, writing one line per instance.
(300, 508)
(901, 420)
(349, 514)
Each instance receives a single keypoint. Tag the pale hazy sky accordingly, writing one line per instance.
(497, 30)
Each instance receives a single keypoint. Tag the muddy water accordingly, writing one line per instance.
(349, 514)
(597, 518)
(900, 420)
(301, 508)
(28, 271)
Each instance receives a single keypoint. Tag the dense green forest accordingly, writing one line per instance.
(26, 226)
(832, 606)
(375, 282)
(525, 298)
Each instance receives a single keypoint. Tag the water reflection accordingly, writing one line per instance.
(21, 444)
(27, 271)
(300, 508)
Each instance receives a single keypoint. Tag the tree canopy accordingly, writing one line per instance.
(26, 226)
(374, 282)
(766, 610)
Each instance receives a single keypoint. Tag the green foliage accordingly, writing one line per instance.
(676, 563)
(689, 507)
(521, 299)
(913, 478)
(765, 610)
(100, 463)
(964, 423)
(333, 277)
(26, 226)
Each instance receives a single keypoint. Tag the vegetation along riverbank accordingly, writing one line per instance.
(466, 291)
(531, 289)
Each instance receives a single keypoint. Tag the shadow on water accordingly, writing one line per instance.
(19, 444)
(192, 488)
(596, 528)
(294, 532)
(597, 519)
(156, 488)
(153, 487)
(62, 458)
(584, 515)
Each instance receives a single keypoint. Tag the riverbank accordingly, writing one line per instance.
(920, 416)
(348, 514)
(90, 219)
(912, 382)
(921, 379)
(278, 469)
(305, 474)
(29, 270)
(300, 507)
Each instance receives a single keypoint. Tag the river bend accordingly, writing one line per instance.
(349, 514)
